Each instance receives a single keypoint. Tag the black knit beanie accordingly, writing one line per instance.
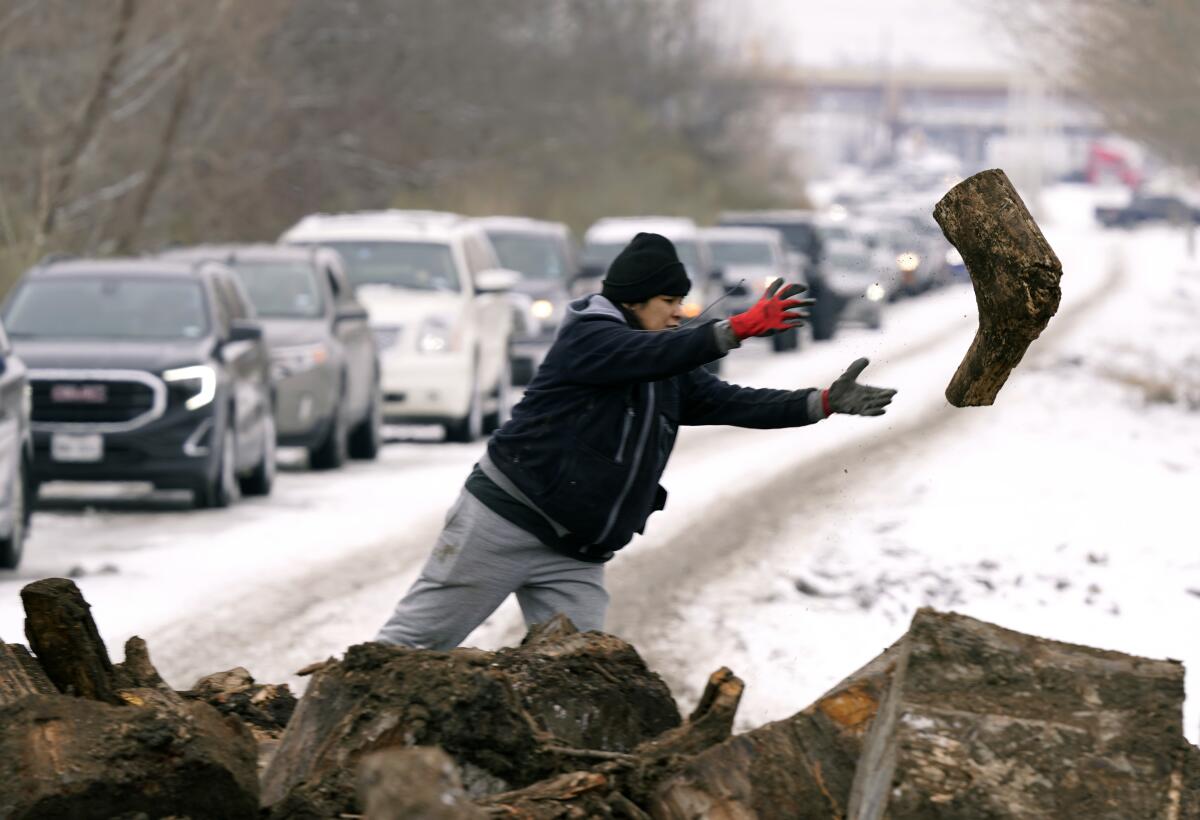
(647, 267)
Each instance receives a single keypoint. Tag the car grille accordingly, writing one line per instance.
(67, 401)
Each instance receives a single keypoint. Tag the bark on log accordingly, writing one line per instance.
(64, 638)
(20, 674)
(981, 722)
(1015, 275)
(509, 718)
(800, 768)
(401, 784)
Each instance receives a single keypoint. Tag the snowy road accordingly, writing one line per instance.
(791, 556)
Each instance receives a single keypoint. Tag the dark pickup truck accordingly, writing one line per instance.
(1147, 209)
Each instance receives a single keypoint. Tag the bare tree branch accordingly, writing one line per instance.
(89, 123)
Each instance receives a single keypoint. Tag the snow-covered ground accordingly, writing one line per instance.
(791, 556)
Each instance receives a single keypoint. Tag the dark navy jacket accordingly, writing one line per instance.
(590, 439)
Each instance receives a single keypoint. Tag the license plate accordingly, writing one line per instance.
(76, 447)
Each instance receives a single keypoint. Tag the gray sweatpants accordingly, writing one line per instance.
(478, 560)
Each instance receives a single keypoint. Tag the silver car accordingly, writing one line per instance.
(851, 274)
(324, 362)
(544, 254)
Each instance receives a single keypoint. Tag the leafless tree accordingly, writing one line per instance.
(129, 124)
(1135, 61)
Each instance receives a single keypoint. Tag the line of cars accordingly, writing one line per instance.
(186, 369)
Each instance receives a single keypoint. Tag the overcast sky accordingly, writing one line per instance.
(940, 33)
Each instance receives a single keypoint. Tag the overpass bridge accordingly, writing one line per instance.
(863, 112)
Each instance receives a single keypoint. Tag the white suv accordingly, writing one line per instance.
(434, 292)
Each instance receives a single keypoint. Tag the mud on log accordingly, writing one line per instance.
(1015, 275)
(509, 718)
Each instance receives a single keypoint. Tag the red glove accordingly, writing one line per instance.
(774, 313)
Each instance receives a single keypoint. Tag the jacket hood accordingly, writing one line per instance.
(593, 306)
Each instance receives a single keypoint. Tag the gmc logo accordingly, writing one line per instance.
(79, 393)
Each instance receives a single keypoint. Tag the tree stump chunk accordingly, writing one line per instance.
(982, 722)
(63, 636)
(21, 675)
(64, 756)
(1015, 275)
(400, 784)
(800, 768)
(509, 718)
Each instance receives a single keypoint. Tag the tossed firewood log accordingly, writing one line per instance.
(1015, 275)
(983, 722)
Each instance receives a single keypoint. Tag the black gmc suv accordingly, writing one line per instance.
(145, 370)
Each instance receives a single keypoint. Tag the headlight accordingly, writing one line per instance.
(436, 336)
(287, 361)
(204, 378)
(542, 309)
(954, 258)
(691, 310)
(908, 262)
(385, 336)
(876, 292)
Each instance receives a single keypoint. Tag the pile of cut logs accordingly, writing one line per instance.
(958, 719)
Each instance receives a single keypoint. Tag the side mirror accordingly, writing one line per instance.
(350, 313)
(496, 280)
(245, 330)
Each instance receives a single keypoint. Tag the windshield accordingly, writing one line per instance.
(108, 308)
(726, 254)
(281, 289)
(799, 236)
(414, 265)
(601, 254)
(849, 262)
(535, 256)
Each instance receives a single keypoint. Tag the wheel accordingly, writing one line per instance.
(222, 489)
(503, 412)
(366, 438)
(333, 451)
(13, 546)
(785, 342)
(260, 481)
(824, 313)
(470, 427)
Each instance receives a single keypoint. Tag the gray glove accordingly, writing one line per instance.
(848, 396)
